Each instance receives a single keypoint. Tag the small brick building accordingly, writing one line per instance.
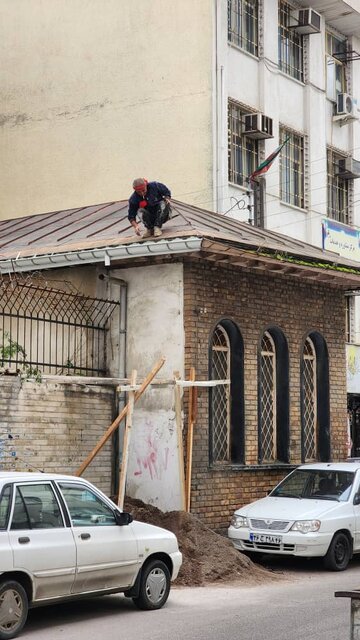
(235, 302)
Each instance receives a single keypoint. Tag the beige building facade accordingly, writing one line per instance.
(97, 93)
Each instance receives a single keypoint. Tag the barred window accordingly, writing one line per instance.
(335, 66)
(226, 401)
(337, 189)
(292, 168)
(315, 405)
(242, 151)
(290, 45)
(309, 401)
(268, 398)
(274, 430)
(349, 318)
(243, 19)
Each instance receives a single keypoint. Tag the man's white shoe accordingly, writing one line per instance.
(147, 233)
(157, 232)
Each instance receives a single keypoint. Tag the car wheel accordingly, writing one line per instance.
(13, 609)
(154, 586)
(339, 553)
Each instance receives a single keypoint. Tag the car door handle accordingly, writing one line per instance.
(85, 536)
(23, 540)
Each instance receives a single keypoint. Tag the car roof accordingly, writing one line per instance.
(332, 466)
(6, 476)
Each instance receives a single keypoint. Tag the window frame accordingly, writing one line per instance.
(243, 28)
(290, 44)
(333, 45)
(292, 168)
(236, 444)
(243, 152)
(338, 189)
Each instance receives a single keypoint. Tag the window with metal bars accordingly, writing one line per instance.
(335, 66)
(337, 189)
(273, 397)
(315, 406)
(290, 45)
(309, 401)
(52, 331)
(226, 401)
(349, 318)
(292, 180)
(243, 21)
(243, 153)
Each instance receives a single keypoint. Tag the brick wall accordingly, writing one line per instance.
(54, 426)
(254, 301)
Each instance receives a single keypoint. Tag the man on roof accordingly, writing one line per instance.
(151, 200)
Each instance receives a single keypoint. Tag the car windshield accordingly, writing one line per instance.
(316, 484)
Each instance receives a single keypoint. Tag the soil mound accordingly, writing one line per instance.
(208, 557)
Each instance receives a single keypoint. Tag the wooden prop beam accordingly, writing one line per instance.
(120, 417)
(127, 437)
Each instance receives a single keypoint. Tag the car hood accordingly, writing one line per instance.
(289, 508)
(151, 532)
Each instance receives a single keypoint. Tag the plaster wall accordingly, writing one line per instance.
(155, 329)
(95, 94)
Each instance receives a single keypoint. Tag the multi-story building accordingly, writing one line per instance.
(197, 96)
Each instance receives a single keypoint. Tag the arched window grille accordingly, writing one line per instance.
(309, 409)
(268, 398)
(220, 396)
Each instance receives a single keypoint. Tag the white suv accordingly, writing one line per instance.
(314, 511)
(61, 538)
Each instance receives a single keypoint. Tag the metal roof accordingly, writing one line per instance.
(102, 233)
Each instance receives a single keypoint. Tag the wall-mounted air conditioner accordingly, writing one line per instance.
(258, 126)
(309, 21)
(346, 106)
(349, 168)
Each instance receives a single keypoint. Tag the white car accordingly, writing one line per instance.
(314, 511)
(61, 538)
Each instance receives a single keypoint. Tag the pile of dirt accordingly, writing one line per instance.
(207, 556)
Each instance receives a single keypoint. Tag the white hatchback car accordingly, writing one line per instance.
(61, 538)
(314, 511)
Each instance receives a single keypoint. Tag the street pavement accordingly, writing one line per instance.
(299, 605)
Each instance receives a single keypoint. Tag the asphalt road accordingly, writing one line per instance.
(299, 605)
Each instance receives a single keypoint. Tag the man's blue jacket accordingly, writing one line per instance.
(156, 191)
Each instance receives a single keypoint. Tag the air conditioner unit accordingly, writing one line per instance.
(349, 168)
(258, 126)
(309, 21)
(346, 105)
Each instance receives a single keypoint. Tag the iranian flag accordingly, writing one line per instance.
(265, 166)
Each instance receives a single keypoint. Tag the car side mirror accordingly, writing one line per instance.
(356, 498)
(123, 518)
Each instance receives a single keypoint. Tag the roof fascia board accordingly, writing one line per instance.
(104, 255)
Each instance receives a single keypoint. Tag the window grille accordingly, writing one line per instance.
(220, 370)
(243, 151)
(337, 190)
(291, 58)
(243, 21)
(268, 398)
(53, 331)
(292, 169)
(335, 67)
(309, 401)
(349, 318)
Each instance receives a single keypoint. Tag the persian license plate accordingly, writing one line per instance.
(265, 538)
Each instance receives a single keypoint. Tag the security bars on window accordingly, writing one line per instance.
(338, 190)
(243, 17)
(268, 398)
(243, 151)
(292, 169)
(52, 330)
(220, 370)
(290, 45)
(309, 401)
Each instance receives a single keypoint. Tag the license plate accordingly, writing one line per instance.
(264, 537)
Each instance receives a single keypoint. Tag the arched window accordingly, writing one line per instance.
(315, 408)
(309, 401)
(226, 401)
(273, 397)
